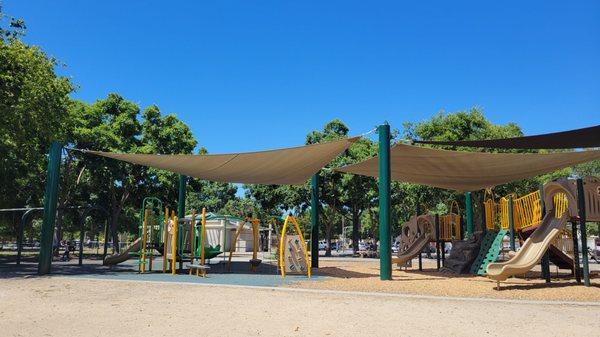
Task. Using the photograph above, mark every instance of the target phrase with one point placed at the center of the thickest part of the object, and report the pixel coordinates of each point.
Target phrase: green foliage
(34, 108)
(14, 29)
(212, 195)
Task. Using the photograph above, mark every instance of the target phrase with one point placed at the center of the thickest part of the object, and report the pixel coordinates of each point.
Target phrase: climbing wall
(491, 246)
(295, 261)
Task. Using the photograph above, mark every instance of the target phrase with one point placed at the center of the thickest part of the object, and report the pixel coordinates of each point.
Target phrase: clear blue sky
(250, 75)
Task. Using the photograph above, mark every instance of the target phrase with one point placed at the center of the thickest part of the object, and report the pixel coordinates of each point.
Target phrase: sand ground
(62, 306)
(363, 275)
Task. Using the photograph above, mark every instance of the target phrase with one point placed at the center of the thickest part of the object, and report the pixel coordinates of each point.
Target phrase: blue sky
(251, 75)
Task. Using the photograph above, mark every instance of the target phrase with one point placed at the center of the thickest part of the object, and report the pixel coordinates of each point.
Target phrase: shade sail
(291, 166)
(467, 171)
(580, 138)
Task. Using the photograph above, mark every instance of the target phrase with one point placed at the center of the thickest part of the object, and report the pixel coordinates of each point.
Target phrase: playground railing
(503, 212)
(527, 211)
(449, 226)
(561, 203)
(491, 212)
(564, 242)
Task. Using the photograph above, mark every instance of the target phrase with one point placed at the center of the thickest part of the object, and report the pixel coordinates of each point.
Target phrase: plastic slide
(124, 255)
(532, 250)
(413, 250)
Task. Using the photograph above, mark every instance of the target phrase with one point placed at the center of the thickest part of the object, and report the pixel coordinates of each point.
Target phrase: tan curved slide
(413, 251)
(532, 250)
(123, 256)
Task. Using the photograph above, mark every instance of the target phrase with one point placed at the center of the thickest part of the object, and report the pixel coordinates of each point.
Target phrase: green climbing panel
(491, 246)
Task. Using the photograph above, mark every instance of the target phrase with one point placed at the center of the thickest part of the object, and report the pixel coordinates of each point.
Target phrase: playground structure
(420, 230)
(255, 223)
(564, 200)
(541, 227)
(175, 239)
(293, 252)
(185, 239)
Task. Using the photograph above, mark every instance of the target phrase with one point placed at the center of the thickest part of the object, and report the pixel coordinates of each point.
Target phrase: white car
(322, 245)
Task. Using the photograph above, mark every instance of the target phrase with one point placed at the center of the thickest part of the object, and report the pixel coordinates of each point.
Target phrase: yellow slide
(532, 250)
(124, 255)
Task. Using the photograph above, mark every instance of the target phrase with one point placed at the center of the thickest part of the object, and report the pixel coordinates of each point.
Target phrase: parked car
(322, 245)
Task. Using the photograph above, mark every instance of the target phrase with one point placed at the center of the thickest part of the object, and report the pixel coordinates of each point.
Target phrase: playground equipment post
(314, 221)
(511, 223)
(582, 229)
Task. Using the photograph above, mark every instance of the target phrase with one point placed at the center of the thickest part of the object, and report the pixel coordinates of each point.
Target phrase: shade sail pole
(314, 221)
(50, 204)
(469, 211)
(385, 251)
(181, 200)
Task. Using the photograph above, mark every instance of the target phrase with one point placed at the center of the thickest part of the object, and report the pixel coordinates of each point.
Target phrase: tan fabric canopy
(292, 166)
(467, 171)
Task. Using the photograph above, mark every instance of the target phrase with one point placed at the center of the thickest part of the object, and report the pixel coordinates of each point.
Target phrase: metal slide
(413, 250)
(532, 250)
(124, 255)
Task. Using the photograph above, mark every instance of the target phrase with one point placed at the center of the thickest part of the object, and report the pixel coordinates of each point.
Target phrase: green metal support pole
(437, 240)
(181, 200)
(385, 249)
(511, 224)
(582, 229)
(576, 268)
(314, 221)
(50, 204)
(469, 210)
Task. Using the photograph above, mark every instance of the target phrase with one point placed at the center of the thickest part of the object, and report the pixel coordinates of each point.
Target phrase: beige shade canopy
(467, 171)
(291, 166)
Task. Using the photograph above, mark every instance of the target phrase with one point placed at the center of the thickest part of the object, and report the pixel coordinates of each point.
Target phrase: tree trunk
(328, 228)
(355, 229)
(114, 223)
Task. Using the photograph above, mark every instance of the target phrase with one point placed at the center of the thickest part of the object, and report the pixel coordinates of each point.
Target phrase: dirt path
(75, 307)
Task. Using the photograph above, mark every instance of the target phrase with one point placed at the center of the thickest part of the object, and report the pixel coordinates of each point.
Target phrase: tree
(341, 193)
(114, 124)
(34, 110)
(34, 103)
(212, 195)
